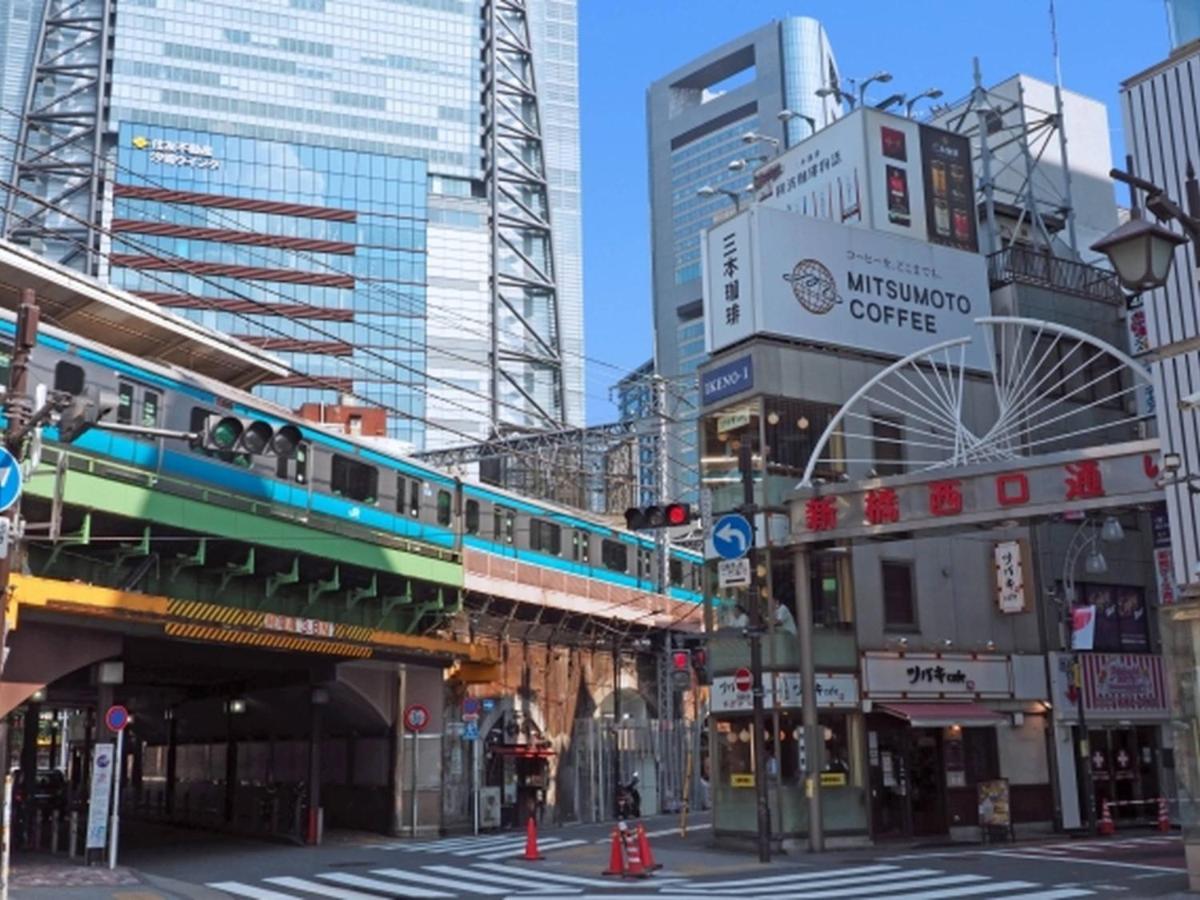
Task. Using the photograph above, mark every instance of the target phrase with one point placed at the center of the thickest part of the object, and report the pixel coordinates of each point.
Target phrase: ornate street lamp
(1141, 252)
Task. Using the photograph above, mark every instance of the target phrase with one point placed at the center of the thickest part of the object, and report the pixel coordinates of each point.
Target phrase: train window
(472, 517)
(614, 555)
(414, 498)
(124, 403)
(68, 377)
(150, 409)
(545, 536)
(401, 493)
(645, 564)
(353, 479)
(502, 524)
(443, 507)
(581, 549)
(676, 572)
(5, 365)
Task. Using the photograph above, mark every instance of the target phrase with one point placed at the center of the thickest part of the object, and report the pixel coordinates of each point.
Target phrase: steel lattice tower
(526, 348)
(59, 157)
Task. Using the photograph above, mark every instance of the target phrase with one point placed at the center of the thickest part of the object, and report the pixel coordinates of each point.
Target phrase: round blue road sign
(116, 718)
(10, 479)
(732, 536)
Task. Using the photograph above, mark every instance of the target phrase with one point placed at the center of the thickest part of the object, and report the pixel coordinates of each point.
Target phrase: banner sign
(1075, 480)
(782, 690)
(994, 806)
(935, 676)
(1122, 682)
(820, 281)
(726, 380)
(103, 763)
(1011, 593)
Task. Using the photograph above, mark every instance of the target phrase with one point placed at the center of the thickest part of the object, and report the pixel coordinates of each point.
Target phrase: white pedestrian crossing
(883, 881)
(493, 846)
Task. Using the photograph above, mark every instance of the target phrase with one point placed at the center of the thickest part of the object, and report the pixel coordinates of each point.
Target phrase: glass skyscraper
(370, 109)
(697, 118)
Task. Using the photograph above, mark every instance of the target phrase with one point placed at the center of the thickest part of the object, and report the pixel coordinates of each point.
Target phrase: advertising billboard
(876, 170)
(817, 281)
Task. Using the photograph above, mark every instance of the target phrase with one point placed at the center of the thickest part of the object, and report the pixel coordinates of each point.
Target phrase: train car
(511, 546)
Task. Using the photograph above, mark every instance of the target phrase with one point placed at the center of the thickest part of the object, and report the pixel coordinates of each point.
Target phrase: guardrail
(1025, 265)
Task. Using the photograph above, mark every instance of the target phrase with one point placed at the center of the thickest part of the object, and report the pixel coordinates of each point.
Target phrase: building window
(889, 452)
(443, 508)
(69, 378)
(614, 555)
(899, 608)
(545, 537)
(352, 479)
(472, 517)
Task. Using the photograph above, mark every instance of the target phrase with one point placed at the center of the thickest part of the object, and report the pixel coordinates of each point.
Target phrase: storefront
(938, 726)
(842, 775)
(1125, 706)
(516, 765)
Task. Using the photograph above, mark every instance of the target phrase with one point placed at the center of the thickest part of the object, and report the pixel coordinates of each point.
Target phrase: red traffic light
(680, 660)
(650, 517)
(678, 514)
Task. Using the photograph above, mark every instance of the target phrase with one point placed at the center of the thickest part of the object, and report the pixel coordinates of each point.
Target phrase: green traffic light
(226, 433)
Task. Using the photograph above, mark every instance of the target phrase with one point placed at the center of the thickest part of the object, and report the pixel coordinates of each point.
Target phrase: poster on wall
(99, 798)
(1131, 612)
(950, 217)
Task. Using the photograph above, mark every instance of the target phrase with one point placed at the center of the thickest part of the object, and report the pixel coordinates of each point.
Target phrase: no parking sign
(416, 718)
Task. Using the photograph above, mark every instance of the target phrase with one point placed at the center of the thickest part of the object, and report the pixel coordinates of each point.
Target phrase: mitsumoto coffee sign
(819, 281)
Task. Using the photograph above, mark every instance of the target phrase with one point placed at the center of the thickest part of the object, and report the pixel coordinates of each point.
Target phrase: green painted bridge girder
(142, 502)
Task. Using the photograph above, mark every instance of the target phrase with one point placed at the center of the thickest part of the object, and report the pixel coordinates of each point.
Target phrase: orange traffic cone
(1164, 817)
(531, 850)
(644, 850)
(1106, 820)
(616, 856)
(634, 865)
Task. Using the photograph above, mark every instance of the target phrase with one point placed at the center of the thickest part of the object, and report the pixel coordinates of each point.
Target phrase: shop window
(443, 508)
(614, 555)
(68, 377)
(886, 435)
(355, 480)
(472, 517)
(899, 608)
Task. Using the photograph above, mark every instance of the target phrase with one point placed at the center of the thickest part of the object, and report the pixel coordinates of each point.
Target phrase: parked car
(49, 793)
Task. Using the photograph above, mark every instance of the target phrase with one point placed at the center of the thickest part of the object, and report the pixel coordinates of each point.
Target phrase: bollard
(73, 834)
(54, 823)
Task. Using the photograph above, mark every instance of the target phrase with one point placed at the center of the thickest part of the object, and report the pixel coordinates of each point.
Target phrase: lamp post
(1087, 537)
(751, 137)
(882, 77)
(927, 94)
(709, 191)
(890, 101)
(786, 115)
(835, 91)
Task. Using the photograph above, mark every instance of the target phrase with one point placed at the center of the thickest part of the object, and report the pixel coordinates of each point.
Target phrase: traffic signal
(669, 515)
(680, 660)
(83, 411)
(234, 434)
(700, 664)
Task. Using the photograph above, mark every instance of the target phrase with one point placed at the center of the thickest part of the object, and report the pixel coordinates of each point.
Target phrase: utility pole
(755, 631)
(814, 744)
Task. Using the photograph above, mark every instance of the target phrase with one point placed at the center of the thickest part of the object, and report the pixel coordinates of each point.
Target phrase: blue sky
(624, 45)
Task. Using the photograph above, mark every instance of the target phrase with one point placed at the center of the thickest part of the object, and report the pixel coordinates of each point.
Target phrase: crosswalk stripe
(456, 884)
(774, 879)
(324, 890)
(869, 885)
(514, 851)
(245, 890)
(1058, 894)
(1089, 861)
(559, 877)
(952, 893)
(503, 846)
(524, 884)
(389, 888)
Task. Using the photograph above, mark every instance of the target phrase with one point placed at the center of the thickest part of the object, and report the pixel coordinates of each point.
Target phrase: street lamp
(709, 191)
(751, 136)
(838, 93)
(786, 115)
(1140, 251)
(1086, 539)
(927, 94)
(738, 165)
(882, 76)
(890, 101)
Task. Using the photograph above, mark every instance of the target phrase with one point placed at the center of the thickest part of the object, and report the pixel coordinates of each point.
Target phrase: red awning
(523, 751)
(943, 715)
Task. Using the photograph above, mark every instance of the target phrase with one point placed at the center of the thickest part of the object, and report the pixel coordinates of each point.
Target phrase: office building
(697, 118)
(352, 142)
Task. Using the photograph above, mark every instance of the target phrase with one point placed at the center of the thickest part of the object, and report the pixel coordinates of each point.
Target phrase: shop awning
(943, 715)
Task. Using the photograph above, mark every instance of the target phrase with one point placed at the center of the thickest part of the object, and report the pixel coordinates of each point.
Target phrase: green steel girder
(325, 586)
(190, 560)
(81, 538)
(279, 579)
(355, 595)
(140, 502)
(238, 570)
(139, 550)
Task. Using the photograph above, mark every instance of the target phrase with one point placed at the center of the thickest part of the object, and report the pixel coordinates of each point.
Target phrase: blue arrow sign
(10, 479)
(732, 536)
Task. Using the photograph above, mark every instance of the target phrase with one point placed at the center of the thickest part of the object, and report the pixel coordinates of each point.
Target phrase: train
(333, 478)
